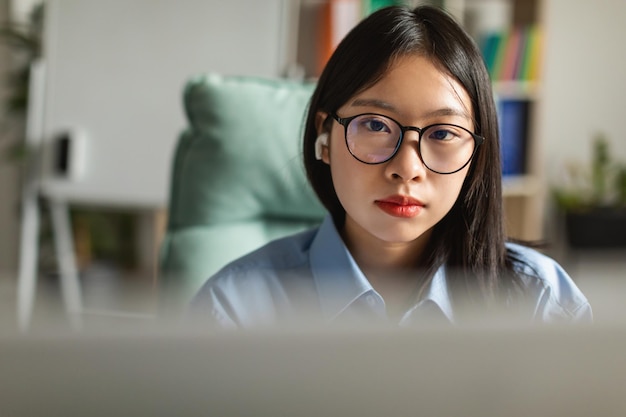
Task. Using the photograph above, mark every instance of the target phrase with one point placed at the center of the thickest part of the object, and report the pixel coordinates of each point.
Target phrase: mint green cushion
(240, 158)
(237, 176)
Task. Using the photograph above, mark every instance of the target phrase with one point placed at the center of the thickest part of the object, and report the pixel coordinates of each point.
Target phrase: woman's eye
(376, 125)
(442, 134)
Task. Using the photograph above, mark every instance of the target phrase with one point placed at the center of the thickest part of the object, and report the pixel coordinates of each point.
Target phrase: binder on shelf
(523, 50)
(513, 122)
(338, 18)
(513, 54)
(370, 6)
(533, 55)
(527, 49)
(490, 46)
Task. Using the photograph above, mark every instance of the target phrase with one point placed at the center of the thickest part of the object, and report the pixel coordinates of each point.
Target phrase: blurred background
(110, 68)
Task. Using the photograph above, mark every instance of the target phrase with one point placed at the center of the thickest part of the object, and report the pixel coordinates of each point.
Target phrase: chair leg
(64, 247)
(29, 249)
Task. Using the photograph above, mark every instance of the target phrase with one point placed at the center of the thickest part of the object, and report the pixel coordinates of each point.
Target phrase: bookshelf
(510, 34)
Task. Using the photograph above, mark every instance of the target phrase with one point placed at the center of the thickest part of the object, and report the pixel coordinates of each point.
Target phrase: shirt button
(371, 300)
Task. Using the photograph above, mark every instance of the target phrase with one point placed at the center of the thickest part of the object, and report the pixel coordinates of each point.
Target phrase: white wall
(115, 72)
(583, 89)
(584, 81)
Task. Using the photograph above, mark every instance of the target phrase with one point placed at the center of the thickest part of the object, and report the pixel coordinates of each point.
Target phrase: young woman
(401, 146)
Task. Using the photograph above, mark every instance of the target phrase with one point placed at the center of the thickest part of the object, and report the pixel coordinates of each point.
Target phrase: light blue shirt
(313, 274)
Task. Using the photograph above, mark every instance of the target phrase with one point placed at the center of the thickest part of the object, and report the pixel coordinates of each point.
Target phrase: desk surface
(484, 371)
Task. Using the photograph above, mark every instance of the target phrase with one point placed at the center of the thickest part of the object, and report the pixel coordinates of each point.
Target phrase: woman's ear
(321, 147)
(321, 143)
(320, 119)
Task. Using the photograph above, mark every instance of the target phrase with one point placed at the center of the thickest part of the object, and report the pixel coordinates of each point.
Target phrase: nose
(406, 165)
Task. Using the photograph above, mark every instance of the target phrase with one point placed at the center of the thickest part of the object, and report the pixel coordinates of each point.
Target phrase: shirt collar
(338, 278)
(436, 296)
(340, 281)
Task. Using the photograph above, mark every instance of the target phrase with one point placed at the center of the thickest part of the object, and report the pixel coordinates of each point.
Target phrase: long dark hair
(470, 239)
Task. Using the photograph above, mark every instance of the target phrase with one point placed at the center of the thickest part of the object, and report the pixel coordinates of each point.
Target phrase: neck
(372, 253)
(390, 267)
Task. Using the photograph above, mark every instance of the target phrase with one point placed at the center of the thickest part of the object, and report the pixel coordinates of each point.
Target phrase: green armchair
(237, 180)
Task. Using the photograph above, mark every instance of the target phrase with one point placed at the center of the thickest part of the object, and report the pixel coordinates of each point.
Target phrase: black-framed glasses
(443, 148)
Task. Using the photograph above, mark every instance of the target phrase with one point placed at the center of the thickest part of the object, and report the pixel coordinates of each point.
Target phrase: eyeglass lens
(374, 139)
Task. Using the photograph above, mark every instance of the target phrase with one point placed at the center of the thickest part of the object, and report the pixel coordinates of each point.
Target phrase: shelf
(516, 90)
(519, 186)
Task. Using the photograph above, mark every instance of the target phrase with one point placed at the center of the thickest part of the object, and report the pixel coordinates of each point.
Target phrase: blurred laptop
(495, 369)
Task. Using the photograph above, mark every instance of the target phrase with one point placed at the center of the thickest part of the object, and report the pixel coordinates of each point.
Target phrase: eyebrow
(383, 105)
(367, 102)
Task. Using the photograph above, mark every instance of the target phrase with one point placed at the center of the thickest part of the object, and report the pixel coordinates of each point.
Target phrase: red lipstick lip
(400, 206)
(401, 200)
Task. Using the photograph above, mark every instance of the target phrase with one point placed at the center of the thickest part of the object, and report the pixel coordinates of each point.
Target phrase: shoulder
(256, 287)
(284, 253)
(553, 292)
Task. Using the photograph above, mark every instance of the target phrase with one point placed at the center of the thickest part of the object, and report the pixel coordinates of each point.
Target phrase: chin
(402, 234)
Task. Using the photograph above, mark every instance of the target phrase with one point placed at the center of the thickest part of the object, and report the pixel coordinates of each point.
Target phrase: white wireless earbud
(321, 141)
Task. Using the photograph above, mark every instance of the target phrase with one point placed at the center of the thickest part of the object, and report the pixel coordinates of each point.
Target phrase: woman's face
(398, 201)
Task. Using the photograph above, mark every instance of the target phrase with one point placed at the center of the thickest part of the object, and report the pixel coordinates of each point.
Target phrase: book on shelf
(513, 122)
(338, 17)
(513, 54)
(370, 6)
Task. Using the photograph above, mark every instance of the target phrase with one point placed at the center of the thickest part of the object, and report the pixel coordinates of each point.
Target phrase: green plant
(602, 185)
(24, 40)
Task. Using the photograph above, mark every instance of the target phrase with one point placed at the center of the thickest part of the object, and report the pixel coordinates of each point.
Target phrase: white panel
(116, 70)
(584, 82)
